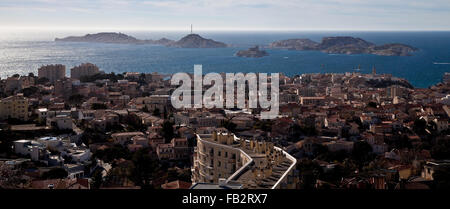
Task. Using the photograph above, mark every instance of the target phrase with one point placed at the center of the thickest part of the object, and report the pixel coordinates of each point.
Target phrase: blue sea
(25, 51)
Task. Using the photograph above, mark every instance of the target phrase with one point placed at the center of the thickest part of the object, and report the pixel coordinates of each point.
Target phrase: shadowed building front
(222, 160)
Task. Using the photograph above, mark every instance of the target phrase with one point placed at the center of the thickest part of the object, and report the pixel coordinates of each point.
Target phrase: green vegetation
(167, 131)
(111, 76)
(99, 106)
(55, 173)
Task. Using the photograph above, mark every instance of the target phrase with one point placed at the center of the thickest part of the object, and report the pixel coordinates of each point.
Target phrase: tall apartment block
(221, 160)
(52, 72)
(85, 69)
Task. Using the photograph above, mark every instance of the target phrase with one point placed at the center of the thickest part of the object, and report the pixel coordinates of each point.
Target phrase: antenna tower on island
(191, 28)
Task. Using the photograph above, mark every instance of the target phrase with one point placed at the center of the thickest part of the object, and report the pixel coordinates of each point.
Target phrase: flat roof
(49, 138)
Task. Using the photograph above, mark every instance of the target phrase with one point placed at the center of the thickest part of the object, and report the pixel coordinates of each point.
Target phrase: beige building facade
(222, 158)
(14, 107)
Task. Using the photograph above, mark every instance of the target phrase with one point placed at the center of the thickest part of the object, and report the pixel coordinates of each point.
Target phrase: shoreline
(109, 58)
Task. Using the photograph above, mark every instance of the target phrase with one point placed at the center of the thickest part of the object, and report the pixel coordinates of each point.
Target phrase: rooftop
(250, 176)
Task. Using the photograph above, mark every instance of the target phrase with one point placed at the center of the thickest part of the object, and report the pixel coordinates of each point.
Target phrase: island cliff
(189, 41)
(295, 44)
(118, 38)
(196, 41)
(252, 52)
(345, 45)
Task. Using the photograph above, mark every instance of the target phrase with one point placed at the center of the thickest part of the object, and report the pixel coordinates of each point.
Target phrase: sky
(226, 14)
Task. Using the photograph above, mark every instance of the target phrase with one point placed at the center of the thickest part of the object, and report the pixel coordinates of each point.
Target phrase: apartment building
(15, 107)
(177, 149)
(85, 69)
(221, 160)
(52, 72)
(122, 138)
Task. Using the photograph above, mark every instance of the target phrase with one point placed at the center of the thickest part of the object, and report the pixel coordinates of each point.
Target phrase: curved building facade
(221, 160)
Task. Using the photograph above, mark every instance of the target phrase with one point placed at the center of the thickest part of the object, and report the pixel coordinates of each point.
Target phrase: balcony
(206, 176)
(206, 165)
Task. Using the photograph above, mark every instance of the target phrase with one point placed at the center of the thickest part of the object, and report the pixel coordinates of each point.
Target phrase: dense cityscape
(97, 130)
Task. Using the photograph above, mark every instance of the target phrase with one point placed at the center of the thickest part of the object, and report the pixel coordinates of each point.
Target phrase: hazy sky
(227, 14)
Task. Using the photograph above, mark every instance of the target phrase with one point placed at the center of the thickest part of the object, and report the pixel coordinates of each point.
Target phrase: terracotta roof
(176, 185)
(60, 184)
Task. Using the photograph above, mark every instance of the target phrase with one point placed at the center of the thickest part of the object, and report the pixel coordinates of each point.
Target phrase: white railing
(291, 167)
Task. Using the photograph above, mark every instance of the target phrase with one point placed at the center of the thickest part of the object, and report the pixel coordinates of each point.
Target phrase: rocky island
(196, 41)
(345, 45)
(117, 38)
(252, 52)
(295, 44)
(189, 41)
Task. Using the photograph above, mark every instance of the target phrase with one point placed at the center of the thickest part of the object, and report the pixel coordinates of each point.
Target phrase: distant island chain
(330, 45)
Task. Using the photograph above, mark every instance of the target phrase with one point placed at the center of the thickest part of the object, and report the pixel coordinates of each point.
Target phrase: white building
(42, 114)
(122, 138)
(52, 143)
(338, 145)
(63, 122)
(224, 160)
(29, 147)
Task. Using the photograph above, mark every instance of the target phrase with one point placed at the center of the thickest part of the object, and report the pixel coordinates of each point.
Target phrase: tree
(441, 177)
(144, 168)
(362, 152)
(309, 171)
(185, 175)
(91, 136)
(145, 109)
(372, 105)
(263, 125)
(97, 179)
(27, 92)
(42, 80)
(335, 174)
(441, 150)
(296, 131)
(361, 148)
(55, 173)
(230, 126)
(11, 178)
(156, 112)
(76, 99)
(419, 126)
(403, 142)
(165, 113)
(99, 106)
(110, 154)
(167, 131)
